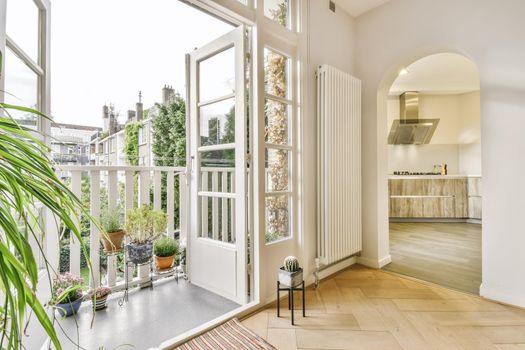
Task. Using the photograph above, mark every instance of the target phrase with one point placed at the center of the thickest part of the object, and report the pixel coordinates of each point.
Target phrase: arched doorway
(432, 110)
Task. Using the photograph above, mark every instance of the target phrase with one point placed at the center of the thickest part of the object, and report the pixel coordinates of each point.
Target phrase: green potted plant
(32, 181)
(165, 249)
(66, 293)
(100, 297)
(113, 234)
(290, 274)
(143, 226)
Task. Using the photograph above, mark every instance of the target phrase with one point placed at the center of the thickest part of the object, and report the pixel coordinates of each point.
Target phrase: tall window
(278, 158)
(24, 59)
(279, 11)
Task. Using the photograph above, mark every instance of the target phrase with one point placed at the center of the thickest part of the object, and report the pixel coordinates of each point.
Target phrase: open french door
(217, 241)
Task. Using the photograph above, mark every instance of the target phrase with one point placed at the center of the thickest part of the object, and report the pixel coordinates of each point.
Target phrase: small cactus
(291, 264)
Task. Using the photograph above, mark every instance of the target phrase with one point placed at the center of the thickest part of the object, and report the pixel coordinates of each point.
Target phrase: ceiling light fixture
(403, 71)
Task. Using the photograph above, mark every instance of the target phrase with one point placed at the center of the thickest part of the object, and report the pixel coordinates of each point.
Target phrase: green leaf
(27, 177)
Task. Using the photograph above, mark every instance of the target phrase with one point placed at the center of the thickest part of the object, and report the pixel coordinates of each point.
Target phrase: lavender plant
(67, 288)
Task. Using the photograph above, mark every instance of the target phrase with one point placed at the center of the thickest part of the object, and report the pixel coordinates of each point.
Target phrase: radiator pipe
(316, 272)
(318, 267)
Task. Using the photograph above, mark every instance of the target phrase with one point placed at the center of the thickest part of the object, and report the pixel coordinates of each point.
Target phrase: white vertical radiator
(339, 165)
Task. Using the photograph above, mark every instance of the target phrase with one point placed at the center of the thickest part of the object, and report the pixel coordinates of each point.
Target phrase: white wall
(470, 115)
(456, 140)
(330, 41)
(488, 32)
(422, 158)
(470, 159)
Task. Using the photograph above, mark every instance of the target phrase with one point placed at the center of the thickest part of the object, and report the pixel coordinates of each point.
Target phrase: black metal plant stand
(291, 290)
(175, 271)
(127, 263)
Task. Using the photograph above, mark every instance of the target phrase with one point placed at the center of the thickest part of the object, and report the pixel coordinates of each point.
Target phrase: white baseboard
(374, 263)
(502, 295)
(332, 269)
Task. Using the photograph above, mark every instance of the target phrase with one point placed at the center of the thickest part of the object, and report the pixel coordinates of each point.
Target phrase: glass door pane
(216, 92)
(21, 88)
(22, 25)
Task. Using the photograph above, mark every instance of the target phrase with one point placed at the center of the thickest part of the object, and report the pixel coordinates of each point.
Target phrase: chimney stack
(112, 120)
(105, 117)
(139, 108)
(167, 94)
(131, 115)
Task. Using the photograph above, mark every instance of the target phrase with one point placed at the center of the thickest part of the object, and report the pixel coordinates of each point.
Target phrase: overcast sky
(105, 51)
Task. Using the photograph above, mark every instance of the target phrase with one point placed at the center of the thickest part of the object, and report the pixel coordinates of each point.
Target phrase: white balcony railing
(127, 187)
(131, 186)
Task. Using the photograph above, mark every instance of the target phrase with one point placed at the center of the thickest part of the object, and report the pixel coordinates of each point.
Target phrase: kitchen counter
(435, 196)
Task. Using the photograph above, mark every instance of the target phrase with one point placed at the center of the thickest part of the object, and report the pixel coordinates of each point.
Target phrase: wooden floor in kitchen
(448, 254)
(361, 308)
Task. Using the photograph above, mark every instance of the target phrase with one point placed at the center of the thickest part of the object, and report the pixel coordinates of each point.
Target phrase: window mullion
(17, 50)
(278, 99)
(277, 146)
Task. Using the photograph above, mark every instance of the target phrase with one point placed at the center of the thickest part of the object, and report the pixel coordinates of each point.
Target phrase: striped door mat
(231, 335)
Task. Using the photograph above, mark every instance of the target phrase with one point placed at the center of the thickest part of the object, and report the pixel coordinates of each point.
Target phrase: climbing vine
(169, 144)
(131, 142)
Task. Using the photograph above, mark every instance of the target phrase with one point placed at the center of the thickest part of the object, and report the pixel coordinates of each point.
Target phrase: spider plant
(27, 177)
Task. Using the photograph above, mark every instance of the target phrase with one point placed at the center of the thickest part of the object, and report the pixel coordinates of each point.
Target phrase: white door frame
(210, 261)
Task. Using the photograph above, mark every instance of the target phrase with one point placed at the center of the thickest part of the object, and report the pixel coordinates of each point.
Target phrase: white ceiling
(444, 73)
(358, 7)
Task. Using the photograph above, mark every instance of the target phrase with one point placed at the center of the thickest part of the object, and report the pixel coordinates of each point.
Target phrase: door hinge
(248, 56)
(248, 157)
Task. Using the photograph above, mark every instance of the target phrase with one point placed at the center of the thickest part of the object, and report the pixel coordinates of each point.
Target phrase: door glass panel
(217, 75)
(277, 169)
(277, 10)
(277, 218)
(22, 25)
(217, 169)
(217, 123)
(276, 122)
(217, 219)
(276, 73)
(21, 87)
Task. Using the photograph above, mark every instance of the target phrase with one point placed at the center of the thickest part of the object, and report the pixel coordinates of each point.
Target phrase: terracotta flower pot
(114, 243)
(164, 262)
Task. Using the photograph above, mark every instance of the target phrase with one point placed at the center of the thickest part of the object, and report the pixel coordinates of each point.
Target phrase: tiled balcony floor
(148, 318)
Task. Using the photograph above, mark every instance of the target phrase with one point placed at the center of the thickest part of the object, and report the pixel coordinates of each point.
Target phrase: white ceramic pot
(290, 279)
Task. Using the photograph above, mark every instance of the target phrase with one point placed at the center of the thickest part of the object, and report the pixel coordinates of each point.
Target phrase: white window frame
(39, 67)
(277, 46)
(143, 136)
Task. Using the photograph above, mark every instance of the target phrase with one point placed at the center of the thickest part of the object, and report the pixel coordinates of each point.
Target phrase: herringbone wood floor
(361, 308)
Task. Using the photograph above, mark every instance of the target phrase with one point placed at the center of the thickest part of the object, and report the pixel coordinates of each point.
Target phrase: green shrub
(166, 246)
(110, 220)
(144, 225)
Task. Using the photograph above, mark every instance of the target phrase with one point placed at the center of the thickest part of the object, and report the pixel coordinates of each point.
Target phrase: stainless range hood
(409, 129)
